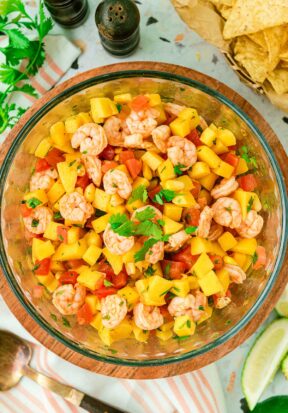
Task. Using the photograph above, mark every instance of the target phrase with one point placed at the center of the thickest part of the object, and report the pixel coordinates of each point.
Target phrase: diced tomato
(120, 280)
(197, 188)
(68, 277)
(230, 158)
(62, 234)
(108, 153)
(124, 112)
(217, 261)
(164, 311)
(261, 258)
(37, 291)
(25, 211)
(139, 103)
(134, 167)
(102, 292)
(103, 266)
(42, 267)
(169, 119)
(42, 165)
(173, 269)
(74, 263)
(247, 182)
(154, 191)
(232, 147)
(194, 137)
(186, 257)
(191, 216)
(54, 156)
(125, 155)
(107, 165)
(84, 315)
(83, 181)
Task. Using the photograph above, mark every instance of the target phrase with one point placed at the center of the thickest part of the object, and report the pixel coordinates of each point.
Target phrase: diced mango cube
(102, 108)
(158, 287)
(93, 239)
(208, 181)
(173, 185)
(93, 302)
(207, 314)
(226, 136)
(172, 211)
(120, 209)
(193, 282)
(166, 170)
(246, 246)
(91, 279)
(229, 260)
(170, 226)
(224, 279)
(123, 98)
(202, 266)
(164, 335)
(101, 200)
(216, 249)
(73, 235)
(187, 181)
(97, 321)
(184, 326)
(199, 170)
(219, 147)
(55, 192)
(58, 135)
(38, 195)
(208, 136)
(114, 260)
(242, 167)
(84, 117)
(132, 206)
(152, 159)
(181, 127)
(92, 254)
(210, 284)
(161, 118)
(51, 231)
(140, 181)
(41, 249)
(147, 172)
(199, 245)
(105, 335)
(245, 199)
(129, 255)
(167, 326)
(139, 334)
(224, 169)
(72, 124)
(181, 287)
(89, 192)
(142, 287)
(68, 175)
(241, 259)
(70, 251)
(56, 265)
(206, 154)
(116, 200)
(227, 241)
(154, 99)
(43, 148)
(185, 200)
(130, 294)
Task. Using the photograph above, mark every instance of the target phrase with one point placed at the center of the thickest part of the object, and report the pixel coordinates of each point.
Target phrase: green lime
(264, 360)
(276, 404)
(284, 367)
(282, 305)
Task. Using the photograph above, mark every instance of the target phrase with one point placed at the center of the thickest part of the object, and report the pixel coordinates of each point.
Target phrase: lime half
(282, 305)
(264, 360)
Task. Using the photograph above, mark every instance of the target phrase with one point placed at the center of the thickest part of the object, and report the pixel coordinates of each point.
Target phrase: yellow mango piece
(227, 241)
(56, 265)
(187, 181)
(164, 335)
(202, 266)
(208, 181)
(93, 302)
(241, 259)
(123, 98)
(89, 192)
(68, 175)
(157, 269)
(122, 331)
(84, 117)
(105, 335)
(120, 209)
(242, 167)
(207, 314)
(102, 108)
(92, 254)
(51, 287)
(143, 287)
(71, 157)
(248, 263)
(219, 147)
(154, 99)
(158, 287)
(199, 245)
(72, 124)
(130, 294)
(226, 137)
(216, 249)
(58, 135)
(97, 321)
(124, 169)
(51, 231)
(185, 200)
(205, 194)
(139, 334)
(140, 181)
(166, 170)
(170, 226)
(224, 169)
(181, 287)
(43, 148)
(173, 212)
(73, 235)
(55, 192)
(32, 197)
(129, 255)
(229, 260)
(70, 251)
(245, 199)
(181, 127)
(45, 279)
(41, 249)
(90, 279)
(184, 326)
(210, 284)
(199, 170)
(101, 200)
(116, 200)
(93, 239)
(192, 115)
(173, 185)
(132, 206)
(152, 159)
(193, 282)
(224, 279)
(167, 326)
(246, 246)
(206, 155)
(114, 260)
(147, 172)
(208, 136)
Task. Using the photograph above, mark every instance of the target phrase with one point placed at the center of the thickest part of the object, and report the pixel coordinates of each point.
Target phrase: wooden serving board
(179, 367)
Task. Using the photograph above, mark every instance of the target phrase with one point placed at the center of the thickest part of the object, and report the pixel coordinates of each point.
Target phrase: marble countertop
(168, 39)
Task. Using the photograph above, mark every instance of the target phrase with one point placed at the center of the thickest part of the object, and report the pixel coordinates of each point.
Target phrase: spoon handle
(74, 396)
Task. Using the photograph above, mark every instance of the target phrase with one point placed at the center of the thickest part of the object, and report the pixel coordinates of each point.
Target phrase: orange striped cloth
(196, 392)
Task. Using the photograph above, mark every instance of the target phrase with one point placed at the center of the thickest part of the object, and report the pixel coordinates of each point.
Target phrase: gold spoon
(15, 354)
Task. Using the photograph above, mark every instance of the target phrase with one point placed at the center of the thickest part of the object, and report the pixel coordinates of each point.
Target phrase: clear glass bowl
(15, 255)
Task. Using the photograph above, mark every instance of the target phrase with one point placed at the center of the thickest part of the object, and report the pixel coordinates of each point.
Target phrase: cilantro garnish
(250, 203)
(167, 270)
(138, 193)
(164, 292)
(161, 222)
(149, 272)
(65, 322)
(140, 255)
(53, 316)
(188, 322)
(180, 338)
(145, 214)
(119, 107)
(201, 308)
(190, 230)
(178, 169)
(244, 153)
(166, 194)
(99, 213)
(36, 266)
(57, 216)
(33, 202)
(117, 220)
(72, 162)
(34, 223)
(107, 283)
(121, 225)
(60, 237)
(254, 257)
(149, 229)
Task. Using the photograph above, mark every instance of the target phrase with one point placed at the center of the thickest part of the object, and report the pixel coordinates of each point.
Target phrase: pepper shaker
(118, 25)
(68, 13)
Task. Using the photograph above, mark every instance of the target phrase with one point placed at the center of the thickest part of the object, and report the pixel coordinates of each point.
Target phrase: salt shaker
(68, 13)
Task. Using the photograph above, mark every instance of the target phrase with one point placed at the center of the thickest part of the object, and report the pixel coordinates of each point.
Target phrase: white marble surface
(195, 53)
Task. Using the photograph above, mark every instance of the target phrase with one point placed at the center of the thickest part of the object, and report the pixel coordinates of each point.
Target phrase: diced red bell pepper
(191, 216)
(139, 103)
(185, 256)
(84, 315)
(247, 182)
(173, 269)
(42, 267)
(217, 261)
(42, 165)
(62, 234)
(108, 153)
(230, 158)
(54, 156)
(194, 137)
(120, 280)
(103, 266)
(196, 190)
(261, 258)
(125, 155)
(68, 277)
(25, 211)
(232, 147)
(154, 191)
(83, 181)
(169, 119)
(107, 165)
(134, 167)
(103, 292)
(167, 316)
(74, 263)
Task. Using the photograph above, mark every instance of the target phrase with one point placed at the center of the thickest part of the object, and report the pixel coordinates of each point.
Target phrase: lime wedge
(284, 367)
(282, 305)
(264, 360)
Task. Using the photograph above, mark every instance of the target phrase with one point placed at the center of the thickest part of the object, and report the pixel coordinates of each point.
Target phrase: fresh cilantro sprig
(20, 47)
(138, 193)
(190, 229)
(250, 203)
(164, 194)
(140, 254)
(178, 169)
(245, 154)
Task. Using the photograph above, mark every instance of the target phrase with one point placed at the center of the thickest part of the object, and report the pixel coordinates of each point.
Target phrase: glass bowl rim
(94, 80)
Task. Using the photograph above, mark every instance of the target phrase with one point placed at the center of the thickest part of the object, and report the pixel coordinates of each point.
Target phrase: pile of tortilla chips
(253, 32)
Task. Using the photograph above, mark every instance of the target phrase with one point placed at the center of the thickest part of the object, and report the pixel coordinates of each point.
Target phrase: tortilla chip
(224, 10)
(279, 81)
(252, 57)
(228, 3)
(281, 101)
(251, 16)
(284, 55)
(283, 64)
(259, 39)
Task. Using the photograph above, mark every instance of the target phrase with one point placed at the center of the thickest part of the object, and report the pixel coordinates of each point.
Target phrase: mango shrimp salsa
(141, 217)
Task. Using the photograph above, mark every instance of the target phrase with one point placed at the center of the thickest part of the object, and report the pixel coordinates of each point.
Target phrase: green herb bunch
(17, 25)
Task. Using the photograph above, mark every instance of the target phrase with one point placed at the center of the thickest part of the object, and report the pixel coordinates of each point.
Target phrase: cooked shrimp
(113, 310)
(117, 244)
(137, 141)
(160, 136)
(205, 222)
(227, 212)
(116, 130)
(251, 226)
(75, 208)
(237, 275)
(91, 138)
(173, 108)
(177, 240)
(181, 151)
(222, 302)
(147, 317)
(68, 299)
(225, 188)
(38, 220)
(157, 213)
(117, 182)
(142, 122)
(93, 168)
(193, 306)
(215, 232)
(43, 180)
(155, 253)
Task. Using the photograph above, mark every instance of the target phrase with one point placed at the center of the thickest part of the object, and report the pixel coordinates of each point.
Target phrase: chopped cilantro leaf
(147, 213)
(36, 266)
(250, 203)
(34, 223)
(201, 308)
(140, 254)
(178, 169)
(190, 230)
(116, 220)
(72, 162)
(107, 283)
(165, 237)
(244, 153)
(60, 237)
(53, 316)
(181, 338)
(138, 193)
(148, 229)
(119, 107)
(167, 270)
(150, 271)
(188, 322)
(99, 213)
(33, 202)
(229, 209)
(65, 322)
(57, 216)
(166, 194)
(254, 257)
(164, 292)
(161, 222)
